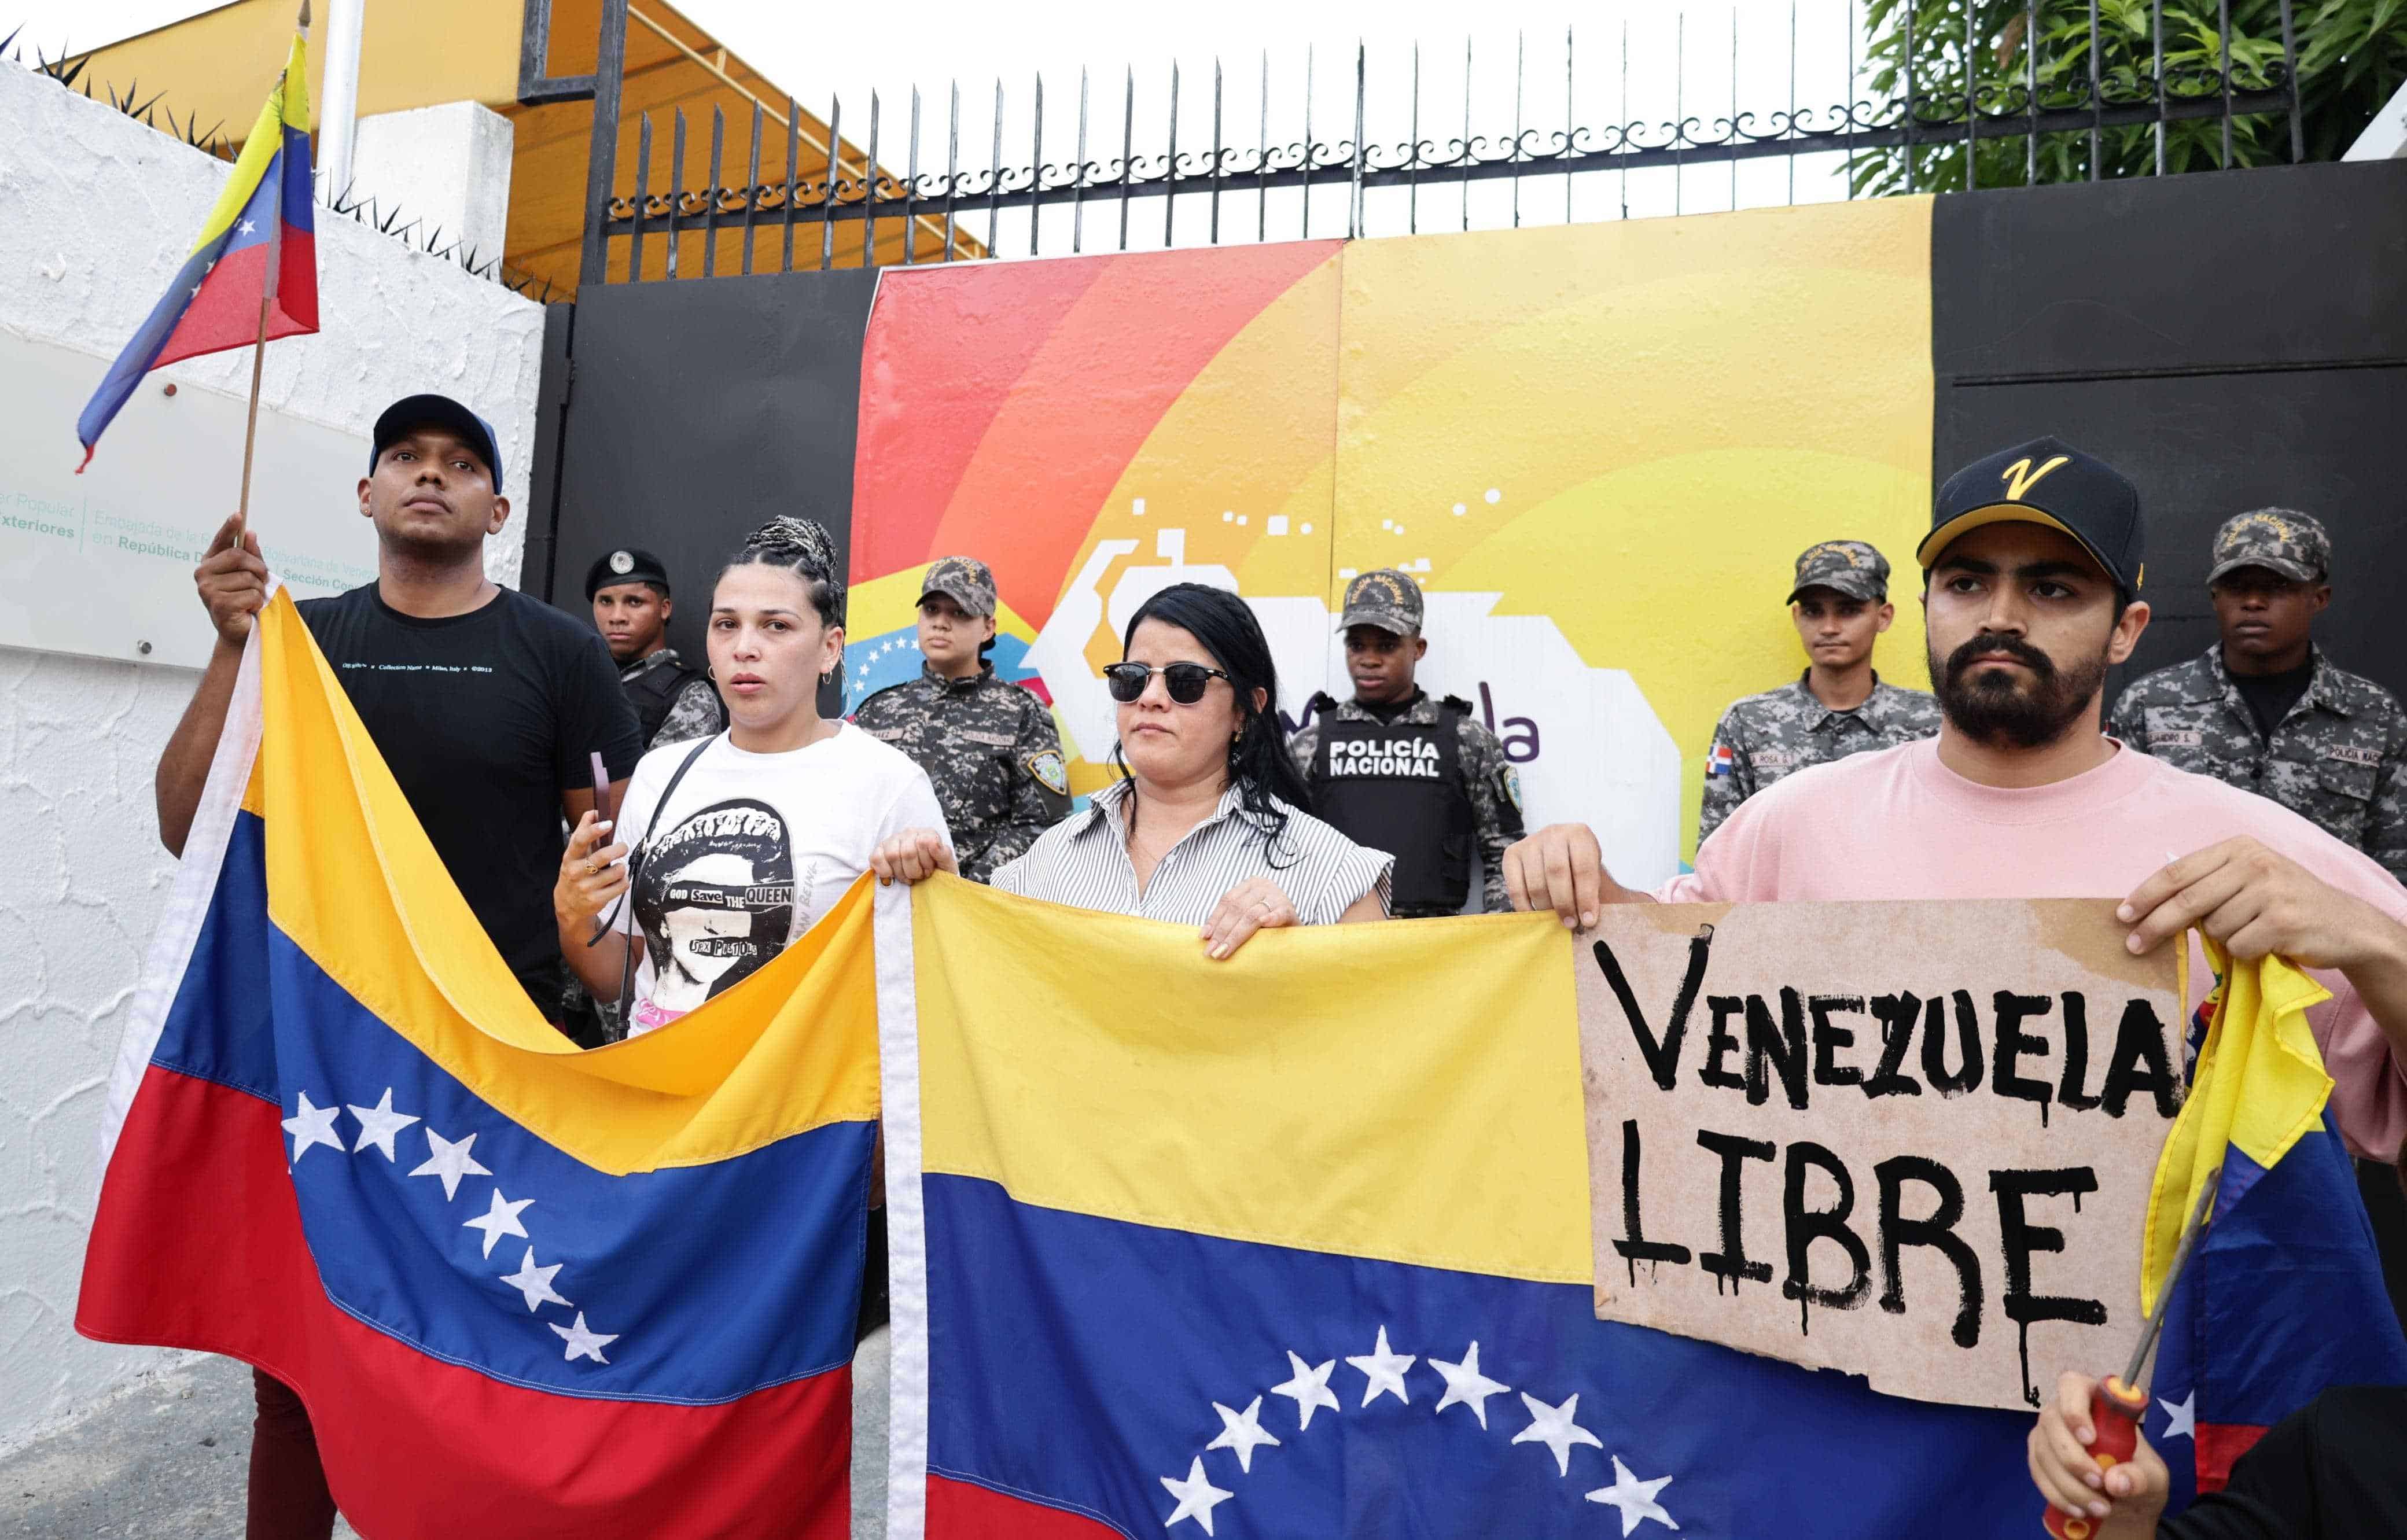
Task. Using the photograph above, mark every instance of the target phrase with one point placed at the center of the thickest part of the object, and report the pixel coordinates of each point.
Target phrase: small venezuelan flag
(260, 243)
(2284, 1295)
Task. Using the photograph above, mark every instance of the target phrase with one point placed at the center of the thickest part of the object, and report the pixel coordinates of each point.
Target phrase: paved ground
(166, 1460)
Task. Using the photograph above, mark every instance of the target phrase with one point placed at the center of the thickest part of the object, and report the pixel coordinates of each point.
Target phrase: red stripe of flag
(414, 1444)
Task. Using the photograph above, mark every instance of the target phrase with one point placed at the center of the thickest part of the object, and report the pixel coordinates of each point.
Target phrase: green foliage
(2352, 57)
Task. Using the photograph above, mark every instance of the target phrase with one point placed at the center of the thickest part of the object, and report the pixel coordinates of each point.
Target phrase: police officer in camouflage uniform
(2264, 709)
(989, 747)
(1838, 707)
(1399, 772)
(629, 590)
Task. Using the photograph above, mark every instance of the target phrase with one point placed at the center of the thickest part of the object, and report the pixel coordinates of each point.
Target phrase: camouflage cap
(2281, 540)
(1385, 598)
(964, 580)
(1852, 567)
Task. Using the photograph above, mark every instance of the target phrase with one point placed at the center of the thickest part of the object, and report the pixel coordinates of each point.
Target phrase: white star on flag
(1465, 1386)
(246, 228)
(1308, 1389)
(379, 1124)
(587, 1344)
(1197, 1496)
(499, 1220)
(451, 1160)
(1243, 1433)
(2182, 1416)
(1633, 1497)
(535, 1282)
(312, 1125)
(1383, 1371)
(1553, 1427)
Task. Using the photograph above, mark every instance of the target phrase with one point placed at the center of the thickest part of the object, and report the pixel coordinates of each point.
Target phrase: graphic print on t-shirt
(716, 898)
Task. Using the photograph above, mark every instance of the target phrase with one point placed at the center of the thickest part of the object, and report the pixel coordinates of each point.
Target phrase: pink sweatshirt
(1899, 824)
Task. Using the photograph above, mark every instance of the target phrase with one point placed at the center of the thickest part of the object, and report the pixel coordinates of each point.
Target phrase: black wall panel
(2228, 341)
(2203, 448)
(696, 411)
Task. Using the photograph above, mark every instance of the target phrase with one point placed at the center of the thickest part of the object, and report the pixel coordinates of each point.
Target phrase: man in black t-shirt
(484, 703)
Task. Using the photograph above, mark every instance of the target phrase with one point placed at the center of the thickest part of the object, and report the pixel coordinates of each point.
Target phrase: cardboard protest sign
(1909, 1141)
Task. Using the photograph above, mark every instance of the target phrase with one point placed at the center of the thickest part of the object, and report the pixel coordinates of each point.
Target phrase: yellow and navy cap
(2046, 481)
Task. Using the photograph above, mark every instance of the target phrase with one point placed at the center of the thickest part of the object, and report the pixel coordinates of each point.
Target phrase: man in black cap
(2033, 569)
(1393, 769)
(629, 590)
(1840, 705)
(2265, 709)
(485, 705)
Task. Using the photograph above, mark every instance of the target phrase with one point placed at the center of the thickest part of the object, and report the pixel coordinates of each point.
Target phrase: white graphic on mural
(1586, 743)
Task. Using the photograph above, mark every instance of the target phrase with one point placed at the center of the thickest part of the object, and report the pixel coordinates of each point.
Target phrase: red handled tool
(2119, 1404)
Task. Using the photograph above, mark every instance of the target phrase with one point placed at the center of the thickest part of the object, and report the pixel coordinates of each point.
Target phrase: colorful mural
(1597, 447)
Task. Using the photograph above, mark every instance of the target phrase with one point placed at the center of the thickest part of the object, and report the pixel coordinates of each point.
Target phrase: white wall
(96, 211)
(448, 167)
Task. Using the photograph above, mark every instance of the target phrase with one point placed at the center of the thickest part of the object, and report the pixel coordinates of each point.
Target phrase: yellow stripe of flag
(288, 105)
(1405, 1093)
(2259, 1088)
(355, 883)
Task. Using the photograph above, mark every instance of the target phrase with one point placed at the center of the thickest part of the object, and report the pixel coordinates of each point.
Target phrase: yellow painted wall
(418, 53)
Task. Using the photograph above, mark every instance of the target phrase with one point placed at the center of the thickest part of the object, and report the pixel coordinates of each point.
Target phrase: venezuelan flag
(1299, 1245)
(259, 243)
(523, 1291)
(2282, 1296)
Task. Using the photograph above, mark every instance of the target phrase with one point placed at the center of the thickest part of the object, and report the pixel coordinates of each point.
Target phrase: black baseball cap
(436, 412)
(625, 566)
(2046, 481)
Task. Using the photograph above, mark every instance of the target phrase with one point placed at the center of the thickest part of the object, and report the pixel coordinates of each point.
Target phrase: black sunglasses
(1187, 682)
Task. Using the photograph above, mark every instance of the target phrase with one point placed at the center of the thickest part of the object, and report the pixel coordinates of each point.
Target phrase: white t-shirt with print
(749, 852)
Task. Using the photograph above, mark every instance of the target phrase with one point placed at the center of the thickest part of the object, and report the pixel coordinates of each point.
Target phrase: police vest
(1400, 789)
(653, 692)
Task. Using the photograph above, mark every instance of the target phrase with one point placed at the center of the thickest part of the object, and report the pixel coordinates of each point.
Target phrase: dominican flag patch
(1720, 762)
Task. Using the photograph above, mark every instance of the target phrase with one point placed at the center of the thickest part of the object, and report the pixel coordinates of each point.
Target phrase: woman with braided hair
(744, 840)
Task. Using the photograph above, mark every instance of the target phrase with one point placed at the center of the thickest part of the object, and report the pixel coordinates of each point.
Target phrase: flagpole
(259, 346)
(250, 428)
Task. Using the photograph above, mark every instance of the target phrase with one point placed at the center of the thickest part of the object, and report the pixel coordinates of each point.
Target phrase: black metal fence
(830, 201)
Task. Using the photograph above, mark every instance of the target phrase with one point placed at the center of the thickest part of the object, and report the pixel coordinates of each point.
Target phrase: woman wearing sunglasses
(1207, 829)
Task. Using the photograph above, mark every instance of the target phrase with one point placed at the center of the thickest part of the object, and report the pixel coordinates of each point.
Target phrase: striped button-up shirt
(1083, 860)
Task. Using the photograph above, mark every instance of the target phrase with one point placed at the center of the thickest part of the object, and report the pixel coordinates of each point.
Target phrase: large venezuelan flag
(1299, 1245)
(524, 1291)
(259, 243)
